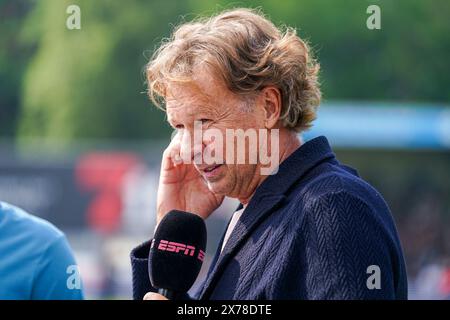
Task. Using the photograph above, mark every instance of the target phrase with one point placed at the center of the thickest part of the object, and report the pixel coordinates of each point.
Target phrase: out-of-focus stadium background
(80, 144)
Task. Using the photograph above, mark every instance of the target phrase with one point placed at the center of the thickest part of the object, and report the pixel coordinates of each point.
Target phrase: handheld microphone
(176, 253)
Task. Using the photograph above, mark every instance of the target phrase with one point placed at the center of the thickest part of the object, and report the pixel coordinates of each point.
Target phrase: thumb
(154, 296)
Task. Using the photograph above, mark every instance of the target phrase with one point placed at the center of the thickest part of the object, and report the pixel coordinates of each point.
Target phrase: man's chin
(217, 187)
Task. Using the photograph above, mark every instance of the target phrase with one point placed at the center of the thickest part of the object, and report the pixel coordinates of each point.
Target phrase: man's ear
(271, 99)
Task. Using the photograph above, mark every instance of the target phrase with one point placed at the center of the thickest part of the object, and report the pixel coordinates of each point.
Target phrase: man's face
(212, 105)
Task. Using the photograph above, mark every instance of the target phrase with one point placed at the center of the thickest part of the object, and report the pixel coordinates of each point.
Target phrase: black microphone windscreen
(177, 251)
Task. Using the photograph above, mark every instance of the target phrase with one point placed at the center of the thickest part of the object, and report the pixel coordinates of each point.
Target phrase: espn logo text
(181, 248)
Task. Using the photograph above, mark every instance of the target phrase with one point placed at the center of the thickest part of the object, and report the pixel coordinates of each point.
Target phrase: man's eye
(179, 126)
(205, 120)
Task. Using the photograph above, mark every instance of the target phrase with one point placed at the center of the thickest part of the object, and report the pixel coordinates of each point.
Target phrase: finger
(176, 158)
(175, 150)
(171, 155)
(154, 296)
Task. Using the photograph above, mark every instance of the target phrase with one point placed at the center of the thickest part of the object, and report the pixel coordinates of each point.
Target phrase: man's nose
(191, 147)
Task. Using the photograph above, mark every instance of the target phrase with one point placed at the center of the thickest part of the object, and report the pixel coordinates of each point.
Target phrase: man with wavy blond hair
(307, 228)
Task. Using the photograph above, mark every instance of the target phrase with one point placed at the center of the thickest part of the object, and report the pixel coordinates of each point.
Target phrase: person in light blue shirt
(36, 261)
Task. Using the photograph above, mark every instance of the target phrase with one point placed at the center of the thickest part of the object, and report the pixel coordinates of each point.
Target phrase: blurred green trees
(89, 83)
(13, 62)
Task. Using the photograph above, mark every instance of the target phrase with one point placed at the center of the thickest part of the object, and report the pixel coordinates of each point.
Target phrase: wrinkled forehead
(204, 93)
(187, 93)
(186, 100)
(202, 86)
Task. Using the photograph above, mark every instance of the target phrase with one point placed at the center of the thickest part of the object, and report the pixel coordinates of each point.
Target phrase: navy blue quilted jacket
(315, 230)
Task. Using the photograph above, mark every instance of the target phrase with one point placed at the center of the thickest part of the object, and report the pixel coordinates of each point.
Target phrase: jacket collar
(266, 198)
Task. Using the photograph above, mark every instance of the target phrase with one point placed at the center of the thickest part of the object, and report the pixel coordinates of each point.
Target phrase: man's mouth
(211, 171)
